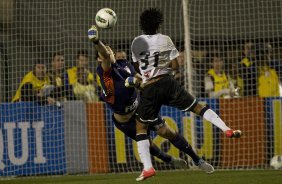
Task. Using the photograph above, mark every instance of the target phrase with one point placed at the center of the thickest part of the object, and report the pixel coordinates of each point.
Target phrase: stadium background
(35, 29)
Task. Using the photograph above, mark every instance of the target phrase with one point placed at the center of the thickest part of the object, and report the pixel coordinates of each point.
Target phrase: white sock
(144, 153)
(212, 117)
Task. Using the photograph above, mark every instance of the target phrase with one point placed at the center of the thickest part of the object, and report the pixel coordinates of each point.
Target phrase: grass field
(177, 177)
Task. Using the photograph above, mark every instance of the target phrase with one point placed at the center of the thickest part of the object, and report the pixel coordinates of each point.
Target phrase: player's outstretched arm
(105, 52)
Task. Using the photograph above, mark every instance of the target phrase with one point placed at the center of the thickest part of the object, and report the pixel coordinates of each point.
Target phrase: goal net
(233, 49)
(229, 59)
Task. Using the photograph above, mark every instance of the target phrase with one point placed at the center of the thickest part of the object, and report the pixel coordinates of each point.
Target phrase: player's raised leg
(209, 115)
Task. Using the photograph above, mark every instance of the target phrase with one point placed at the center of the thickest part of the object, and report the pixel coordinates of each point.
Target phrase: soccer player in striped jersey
(122, 100)
(154, 52)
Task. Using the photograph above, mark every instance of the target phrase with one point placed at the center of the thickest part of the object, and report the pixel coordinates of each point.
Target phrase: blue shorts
(129, 128)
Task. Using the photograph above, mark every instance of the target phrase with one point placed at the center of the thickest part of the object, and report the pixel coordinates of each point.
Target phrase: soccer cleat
(146, 174)
(204, 166)
(233, 133)
(178, 163)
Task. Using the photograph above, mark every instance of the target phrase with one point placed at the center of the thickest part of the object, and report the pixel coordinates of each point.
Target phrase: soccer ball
(276, 162)
(106, 18)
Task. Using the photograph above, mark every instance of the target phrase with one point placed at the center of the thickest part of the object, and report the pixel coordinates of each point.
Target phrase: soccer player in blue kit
(123, 100)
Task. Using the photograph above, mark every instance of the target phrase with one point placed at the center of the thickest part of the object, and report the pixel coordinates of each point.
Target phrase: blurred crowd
(255, 73)
(56, 84)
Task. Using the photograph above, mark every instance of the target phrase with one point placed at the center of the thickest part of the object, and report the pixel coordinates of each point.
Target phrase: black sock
(180, 143)
(155, 151)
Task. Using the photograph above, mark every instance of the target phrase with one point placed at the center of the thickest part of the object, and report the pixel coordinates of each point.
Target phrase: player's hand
(93, 34)
(131, 82)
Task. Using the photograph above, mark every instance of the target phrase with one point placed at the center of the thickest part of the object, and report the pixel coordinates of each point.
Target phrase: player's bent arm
(102, 50)
(106, 54)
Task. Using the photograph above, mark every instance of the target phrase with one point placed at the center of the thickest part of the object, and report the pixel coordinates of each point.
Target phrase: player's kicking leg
(212, 117)
(186, 102)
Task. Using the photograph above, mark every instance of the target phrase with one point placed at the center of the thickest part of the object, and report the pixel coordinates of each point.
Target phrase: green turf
(178, 177)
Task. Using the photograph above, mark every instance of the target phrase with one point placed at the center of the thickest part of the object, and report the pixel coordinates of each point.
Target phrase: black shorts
(166, 91)
(129, 128)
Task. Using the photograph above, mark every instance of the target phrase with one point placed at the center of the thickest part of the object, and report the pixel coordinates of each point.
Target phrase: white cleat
(204, 166)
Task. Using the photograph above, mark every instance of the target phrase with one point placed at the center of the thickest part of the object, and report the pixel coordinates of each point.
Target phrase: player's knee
(141, 131)
(141, 127)
(200, 109)
(166, 132)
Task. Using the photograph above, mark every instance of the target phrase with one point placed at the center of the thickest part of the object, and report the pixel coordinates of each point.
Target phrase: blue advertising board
(31, 140)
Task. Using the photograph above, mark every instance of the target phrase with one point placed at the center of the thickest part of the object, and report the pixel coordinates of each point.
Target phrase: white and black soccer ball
(276, 162)
(106, 18)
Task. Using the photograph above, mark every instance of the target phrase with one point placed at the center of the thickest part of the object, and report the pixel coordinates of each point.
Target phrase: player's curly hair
(150, 20)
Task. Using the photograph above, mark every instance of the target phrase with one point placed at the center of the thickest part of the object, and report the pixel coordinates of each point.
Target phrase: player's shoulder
(142, 40)
(164, 39)
(162, 35)
(138, 43)
(139, 36)
(167, 39)
(139, 39)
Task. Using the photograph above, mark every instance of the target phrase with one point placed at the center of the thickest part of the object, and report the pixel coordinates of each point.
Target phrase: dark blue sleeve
(133, 72)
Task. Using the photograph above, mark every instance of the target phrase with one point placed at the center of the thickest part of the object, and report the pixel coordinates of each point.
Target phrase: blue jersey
(121, 99)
